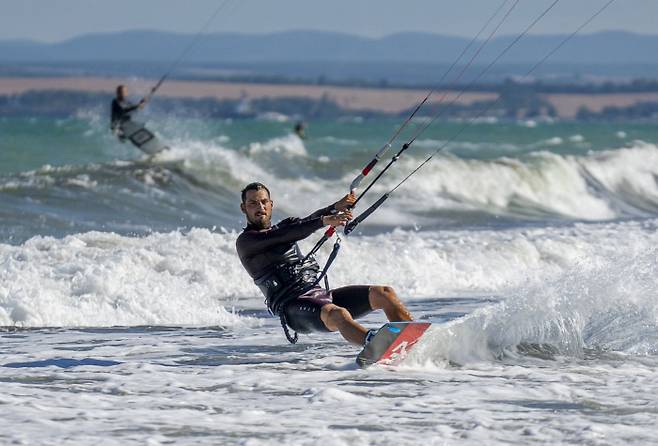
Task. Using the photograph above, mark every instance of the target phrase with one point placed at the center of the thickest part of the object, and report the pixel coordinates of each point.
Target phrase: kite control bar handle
(354, 223)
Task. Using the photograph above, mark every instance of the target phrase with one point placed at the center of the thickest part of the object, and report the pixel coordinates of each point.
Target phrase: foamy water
(195, 278)
(197, 183)
(530, 246)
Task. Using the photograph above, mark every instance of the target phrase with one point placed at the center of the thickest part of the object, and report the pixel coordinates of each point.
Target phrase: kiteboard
(141, 137)
(392, 343)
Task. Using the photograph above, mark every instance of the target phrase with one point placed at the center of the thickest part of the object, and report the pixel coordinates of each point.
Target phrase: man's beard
(261, 222)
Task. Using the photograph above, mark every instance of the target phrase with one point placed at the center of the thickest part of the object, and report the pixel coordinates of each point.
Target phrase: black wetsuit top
(121, 111)
(273, 259)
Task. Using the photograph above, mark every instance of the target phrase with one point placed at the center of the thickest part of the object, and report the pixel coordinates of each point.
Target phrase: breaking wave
(195, 278)
(600, 186)
(600, 306)
(197, 184)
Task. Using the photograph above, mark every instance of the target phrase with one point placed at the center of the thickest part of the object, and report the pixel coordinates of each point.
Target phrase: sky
(57, 20)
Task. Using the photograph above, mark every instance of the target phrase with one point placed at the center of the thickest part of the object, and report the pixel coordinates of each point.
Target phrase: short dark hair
(118, 91)
(254, 186)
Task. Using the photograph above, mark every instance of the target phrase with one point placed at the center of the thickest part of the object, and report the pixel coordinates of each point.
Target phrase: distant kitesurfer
(300, 129)
(289, 282)
(121, 109)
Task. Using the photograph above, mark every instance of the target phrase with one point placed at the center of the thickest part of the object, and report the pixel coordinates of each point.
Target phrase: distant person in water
(121, 109)
(300, 129)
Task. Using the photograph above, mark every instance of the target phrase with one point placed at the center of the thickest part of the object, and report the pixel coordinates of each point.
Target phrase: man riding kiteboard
(122, 110)
(289, 280)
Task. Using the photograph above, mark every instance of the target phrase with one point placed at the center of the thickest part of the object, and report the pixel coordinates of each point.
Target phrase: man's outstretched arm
(288, 231)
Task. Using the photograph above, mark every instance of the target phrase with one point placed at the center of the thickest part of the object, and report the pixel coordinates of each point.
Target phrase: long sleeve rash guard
(121, 111)
(264, 252)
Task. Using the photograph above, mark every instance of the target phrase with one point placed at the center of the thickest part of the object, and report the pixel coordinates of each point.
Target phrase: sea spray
(189, 278)
(604, 304)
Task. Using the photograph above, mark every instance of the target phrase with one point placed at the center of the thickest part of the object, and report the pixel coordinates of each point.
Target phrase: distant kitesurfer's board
(392, 343)
(142, 138)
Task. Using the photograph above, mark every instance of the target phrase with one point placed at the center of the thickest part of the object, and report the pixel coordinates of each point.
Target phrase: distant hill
(607, 48)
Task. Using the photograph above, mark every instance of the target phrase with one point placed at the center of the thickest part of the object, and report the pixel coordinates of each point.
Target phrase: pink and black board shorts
(303, 313)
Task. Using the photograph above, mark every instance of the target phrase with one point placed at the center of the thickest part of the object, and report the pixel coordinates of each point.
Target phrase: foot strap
(284, 324)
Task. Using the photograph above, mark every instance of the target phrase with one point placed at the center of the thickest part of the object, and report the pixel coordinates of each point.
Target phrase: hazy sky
(55, 20)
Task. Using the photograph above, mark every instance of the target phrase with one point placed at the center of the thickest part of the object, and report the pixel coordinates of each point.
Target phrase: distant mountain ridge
(609, 47)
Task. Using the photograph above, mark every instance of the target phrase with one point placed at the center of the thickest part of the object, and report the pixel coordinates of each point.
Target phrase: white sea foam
(339, 141)
(559, 291)
(82, 181)
(199, 386)
(580, 295)
(599, 186)
(554, 141)
(103, 279)
(290, 145)
(474, 147)
(605, 304)
(603, 185)
(273, 116)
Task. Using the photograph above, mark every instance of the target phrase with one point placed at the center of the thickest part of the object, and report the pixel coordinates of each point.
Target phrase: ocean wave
(339, 141)
(273, 117)
(195, 278)
(554, 141)
(289, 146)
(204, 179)
(102, 279)
(607, 306)
(600, 186)
(469, 147)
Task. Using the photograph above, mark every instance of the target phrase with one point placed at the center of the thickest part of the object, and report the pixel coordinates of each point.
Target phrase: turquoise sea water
(127, 317)
(60, 176)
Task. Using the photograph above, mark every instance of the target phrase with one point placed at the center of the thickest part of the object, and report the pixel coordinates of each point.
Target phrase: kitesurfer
(289, 281)
(122, 108)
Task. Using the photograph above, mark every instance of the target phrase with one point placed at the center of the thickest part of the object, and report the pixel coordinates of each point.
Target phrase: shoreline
(349, 98)
(385, 100)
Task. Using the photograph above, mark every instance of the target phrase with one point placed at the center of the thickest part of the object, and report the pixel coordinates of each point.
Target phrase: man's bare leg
(337, 318)
(384, 298)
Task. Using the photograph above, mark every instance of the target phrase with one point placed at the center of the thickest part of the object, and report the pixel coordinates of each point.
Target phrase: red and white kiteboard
(392, 343)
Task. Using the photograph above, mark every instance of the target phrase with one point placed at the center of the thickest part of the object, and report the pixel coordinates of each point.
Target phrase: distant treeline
(515, 101)
(634, 86)
(641, 111)
(56, 103)
(68, 103)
